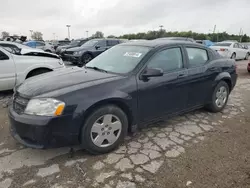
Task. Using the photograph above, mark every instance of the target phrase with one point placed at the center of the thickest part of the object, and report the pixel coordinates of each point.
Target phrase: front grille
(68, 52)
(19, 103)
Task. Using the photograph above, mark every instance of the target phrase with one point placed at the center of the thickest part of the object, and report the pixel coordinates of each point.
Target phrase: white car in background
(46, 46)
(16, 66)
(231, 49)
(16, 46)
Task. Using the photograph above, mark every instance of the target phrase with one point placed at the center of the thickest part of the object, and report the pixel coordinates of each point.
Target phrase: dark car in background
(58, 43)
(72, 44)
(124, 88)
(177, 38)
(89, 50)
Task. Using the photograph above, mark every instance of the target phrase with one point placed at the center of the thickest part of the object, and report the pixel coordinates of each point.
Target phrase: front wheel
(85, 59)
(37, 72)
(219, 97)
(104, 129)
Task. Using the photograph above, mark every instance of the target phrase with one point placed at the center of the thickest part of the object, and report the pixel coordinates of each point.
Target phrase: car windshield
(119, 59)
(222, 44)
(75, 42)
(90, 43)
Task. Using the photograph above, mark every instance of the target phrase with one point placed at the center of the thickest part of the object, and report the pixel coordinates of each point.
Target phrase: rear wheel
(233, 56)
(247, 56)
(219, 97)
(104, 129)
(37, 72)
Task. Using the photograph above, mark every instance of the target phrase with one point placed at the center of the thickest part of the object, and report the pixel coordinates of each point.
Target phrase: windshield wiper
(96, 68)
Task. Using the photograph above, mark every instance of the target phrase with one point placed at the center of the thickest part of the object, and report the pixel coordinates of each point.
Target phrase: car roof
(14, 43)
(8, 42)
(159, 43)
(105, 39)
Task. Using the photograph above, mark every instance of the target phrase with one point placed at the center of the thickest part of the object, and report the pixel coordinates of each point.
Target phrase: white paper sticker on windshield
(132, 54)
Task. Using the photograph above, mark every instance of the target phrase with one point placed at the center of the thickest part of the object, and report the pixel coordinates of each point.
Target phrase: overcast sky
(122, 16)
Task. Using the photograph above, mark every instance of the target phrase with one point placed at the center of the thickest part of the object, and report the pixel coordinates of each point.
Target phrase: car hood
(76, 49)
(38, 53)
(70, 78)
(28, 50)
(66, 46)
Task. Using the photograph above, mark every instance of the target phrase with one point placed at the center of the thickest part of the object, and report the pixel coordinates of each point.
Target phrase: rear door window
(236, 45)
(197, 56)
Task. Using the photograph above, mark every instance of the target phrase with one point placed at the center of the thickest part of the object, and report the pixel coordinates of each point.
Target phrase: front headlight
(77, 53)
(45, 107)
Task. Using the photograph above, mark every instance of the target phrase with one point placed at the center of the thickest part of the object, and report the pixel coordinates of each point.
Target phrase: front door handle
(214, 69)
(181, 75)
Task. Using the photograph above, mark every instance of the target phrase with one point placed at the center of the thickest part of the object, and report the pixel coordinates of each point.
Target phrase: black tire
(85, 134)
(37, 72)
(85, 59)
(247, 56)
(233, 56)
(212, 106)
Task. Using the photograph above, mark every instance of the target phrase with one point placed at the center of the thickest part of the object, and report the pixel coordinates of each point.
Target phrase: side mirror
(97, 46)
(152, 72)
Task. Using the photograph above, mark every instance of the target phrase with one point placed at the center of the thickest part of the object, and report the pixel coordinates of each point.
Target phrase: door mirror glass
(152, 72)
(97, 46)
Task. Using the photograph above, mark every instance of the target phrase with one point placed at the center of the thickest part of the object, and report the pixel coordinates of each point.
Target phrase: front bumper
(44, 132)
(72, 58)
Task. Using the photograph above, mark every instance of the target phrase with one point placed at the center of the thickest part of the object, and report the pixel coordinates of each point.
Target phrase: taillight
(223, 49)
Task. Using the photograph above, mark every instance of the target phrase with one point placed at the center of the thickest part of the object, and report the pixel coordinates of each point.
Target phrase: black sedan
(89, 50)
(121, 90)
(75, 43)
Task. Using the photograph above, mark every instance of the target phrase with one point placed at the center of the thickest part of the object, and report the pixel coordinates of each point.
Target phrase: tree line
(215, 37)
(36, 35)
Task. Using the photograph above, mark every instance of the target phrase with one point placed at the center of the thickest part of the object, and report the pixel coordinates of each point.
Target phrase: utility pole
(240, 34)
(214, 32)
(161, 26)
(31, 33)
(214, 28)
(68, 26)
(54, 36)
(87, 33)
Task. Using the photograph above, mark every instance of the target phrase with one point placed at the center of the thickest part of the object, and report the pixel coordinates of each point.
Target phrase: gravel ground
(198, 149)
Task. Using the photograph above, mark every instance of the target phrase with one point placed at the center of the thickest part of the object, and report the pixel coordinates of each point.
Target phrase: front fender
(95, 100)
(21, 76)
